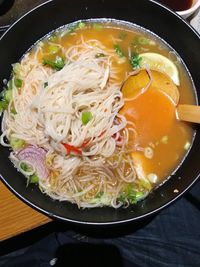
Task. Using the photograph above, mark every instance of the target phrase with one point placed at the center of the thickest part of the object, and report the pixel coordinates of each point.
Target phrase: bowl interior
(148, 14)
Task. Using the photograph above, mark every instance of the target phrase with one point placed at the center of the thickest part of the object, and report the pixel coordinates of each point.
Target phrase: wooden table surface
(15, 216)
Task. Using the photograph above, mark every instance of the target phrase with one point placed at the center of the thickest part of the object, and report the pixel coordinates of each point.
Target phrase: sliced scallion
(86, 117)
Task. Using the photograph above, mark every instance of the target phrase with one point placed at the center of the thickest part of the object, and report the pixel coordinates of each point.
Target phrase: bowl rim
(190, 10)
(118, 222)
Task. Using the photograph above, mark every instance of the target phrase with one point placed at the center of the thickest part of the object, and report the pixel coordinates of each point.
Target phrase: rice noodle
(52, 116)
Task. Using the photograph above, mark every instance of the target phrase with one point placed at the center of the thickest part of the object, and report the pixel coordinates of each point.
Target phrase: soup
(73, 130)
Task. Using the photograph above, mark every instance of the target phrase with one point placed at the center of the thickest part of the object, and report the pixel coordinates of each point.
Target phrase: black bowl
(148, 14)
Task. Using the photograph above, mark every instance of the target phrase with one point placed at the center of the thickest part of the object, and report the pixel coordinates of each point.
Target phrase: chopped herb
(143, 40)
(100, 55)
(122, 35)
(81, 25)
(25, 167)
(131, 195)
(99, 195)
(86, 117)
(56, 64)
(45, 84)
(13, 111)
(135, 61)
(16, 143)
(53, 49)
(18, 82)
(97, 26)
(10, 85)
(16, 68)
(8, 95)
(118, 50)
(3, 105)
(34, 179)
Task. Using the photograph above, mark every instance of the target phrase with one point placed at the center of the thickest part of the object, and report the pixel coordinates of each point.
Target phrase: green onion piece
(135, 61)
(10, 84)
(99, 195)
(122, 35)
(25, 167)
(86, 117)
(17, 68)
(97, 26)
(53, 49)
(118, 50)
(34, 179)
(100, 55)
(139, 195)
(56, 64)
(13, 111)
(143, 40)
(18, 82)
(3, 105)
(81, 25)
(45, 84)
(16, 143)
(8, 95)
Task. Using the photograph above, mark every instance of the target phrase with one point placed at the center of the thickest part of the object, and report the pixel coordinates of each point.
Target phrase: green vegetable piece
(100, 55)
(60, 63)
(34, 179)
(86, 117)
(118, 50)
(99, 195)
(97, 26)
(139, 195)
(56, 64)
(135, 61)
(81, 25)
(53, 49)
(16, 143)
(13, 111)
(143, 40)
(18, 82)
(45, 84)
(122, 35)
(8, 95)
(3, 105)
(16, 68)
(10, 84)
(145, 184)
(25, 167)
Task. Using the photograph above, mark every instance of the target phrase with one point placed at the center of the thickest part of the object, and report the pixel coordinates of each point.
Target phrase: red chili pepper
(71, 148)
(85, 143)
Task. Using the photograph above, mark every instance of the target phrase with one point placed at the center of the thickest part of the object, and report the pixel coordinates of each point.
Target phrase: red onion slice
(36, 156)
